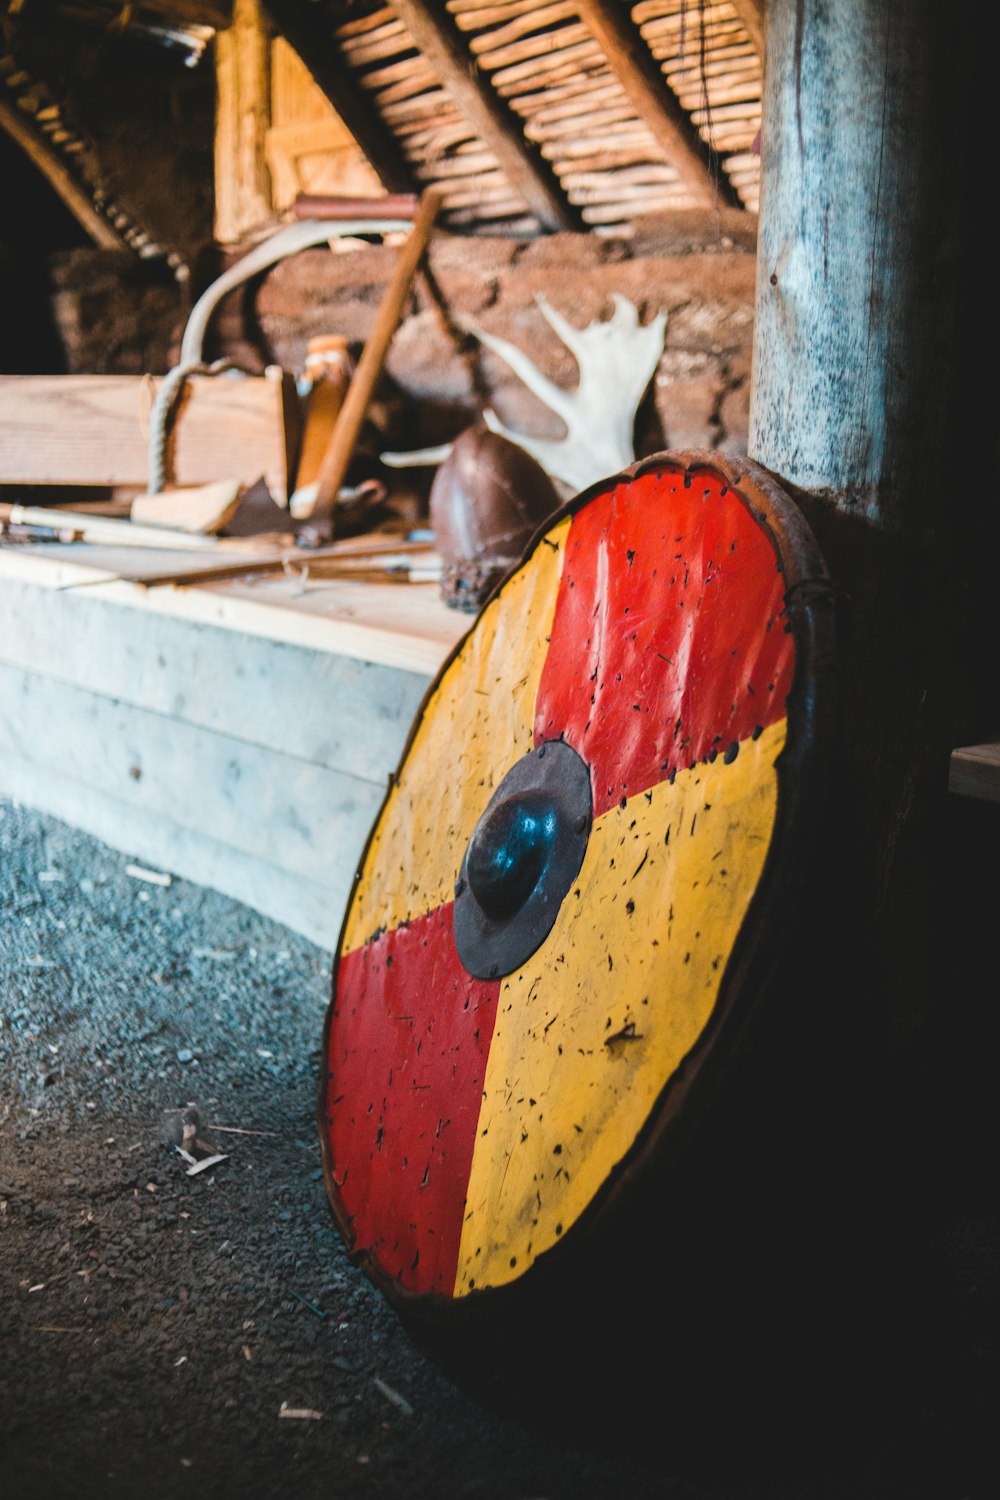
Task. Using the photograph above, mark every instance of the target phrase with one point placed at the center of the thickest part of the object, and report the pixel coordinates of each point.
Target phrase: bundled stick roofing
(575, 114)
(530, 116)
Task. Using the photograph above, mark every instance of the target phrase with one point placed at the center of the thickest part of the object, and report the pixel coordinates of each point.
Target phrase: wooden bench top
(975, 771)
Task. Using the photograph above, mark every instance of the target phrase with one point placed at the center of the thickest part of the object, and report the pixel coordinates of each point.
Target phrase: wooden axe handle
(359, 392)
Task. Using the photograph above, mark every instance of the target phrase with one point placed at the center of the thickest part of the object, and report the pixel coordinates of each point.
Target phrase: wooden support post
(857, 279)
(243, 114)
(637, 71)
(862, 386)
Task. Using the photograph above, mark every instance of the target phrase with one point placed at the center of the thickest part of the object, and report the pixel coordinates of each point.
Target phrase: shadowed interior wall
(117, 316)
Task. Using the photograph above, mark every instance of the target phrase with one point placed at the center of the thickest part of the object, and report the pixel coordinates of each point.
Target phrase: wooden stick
(300, 557)
(362, 386)
(110, 530)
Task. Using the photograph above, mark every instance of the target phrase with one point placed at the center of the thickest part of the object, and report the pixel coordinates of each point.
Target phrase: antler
(616, 358)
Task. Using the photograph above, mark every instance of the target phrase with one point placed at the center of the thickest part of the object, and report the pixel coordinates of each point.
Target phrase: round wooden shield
(595, 831)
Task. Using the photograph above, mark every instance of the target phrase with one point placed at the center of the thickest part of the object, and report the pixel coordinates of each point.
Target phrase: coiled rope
(304, 235)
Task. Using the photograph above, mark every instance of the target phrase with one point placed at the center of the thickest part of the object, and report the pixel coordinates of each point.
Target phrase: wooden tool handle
(359, 392)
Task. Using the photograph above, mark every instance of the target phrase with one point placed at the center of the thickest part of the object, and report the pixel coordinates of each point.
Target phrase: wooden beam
(242, 117)
(410, 629)
(214, 13)
(657, 106)
(315, 45)
(852, 354)
(59, 178)
(753, 20)
(435, 34)
(869, 348)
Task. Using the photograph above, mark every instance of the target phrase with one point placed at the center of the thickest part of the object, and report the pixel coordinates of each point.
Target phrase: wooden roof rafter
(58, 176)
(529, 114)
(36, 119)
(629, 58)
(435, 34)
(752, 14)
(503, 103)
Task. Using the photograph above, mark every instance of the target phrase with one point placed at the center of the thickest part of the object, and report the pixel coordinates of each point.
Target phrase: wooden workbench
(239, 734)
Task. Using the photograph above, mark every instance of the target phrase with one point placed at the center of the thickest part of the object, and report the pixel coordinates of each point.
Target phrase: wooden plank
(302, 905)
(974, 771)
(316, 46)
(94, 430)
(411, 628)
(339, 206)
(434, 32)
(291, 813)
(309, 148)
(333, 711)
(630, 60)
(205, 509)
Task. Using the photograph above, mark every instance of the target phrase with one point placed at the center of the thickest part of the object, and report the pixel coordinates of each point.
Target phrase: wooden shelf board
(975, 771)
(390, 624)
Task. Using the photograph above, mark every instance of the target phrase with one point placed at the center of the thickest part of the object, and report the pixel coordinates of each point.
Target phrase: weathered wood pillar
(243, 114)
(866, 392)
(858, 255)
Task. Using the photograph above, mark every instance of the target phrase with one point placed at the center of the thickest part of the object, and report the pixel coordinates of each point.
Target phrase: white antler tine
(494, 423)
(655, 325)
(416, 457)
(617, 356)
(569, 335)
(625, 311)
(529, 374)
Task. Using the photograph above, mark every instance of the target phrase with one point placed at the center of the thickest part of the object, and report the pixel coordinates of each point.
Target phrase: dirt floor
(166, 1333)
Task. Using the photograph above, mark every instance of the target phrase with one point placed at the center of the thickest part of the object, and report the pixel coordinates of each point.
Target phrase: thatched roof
(569, 114)
(531, 116)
